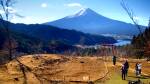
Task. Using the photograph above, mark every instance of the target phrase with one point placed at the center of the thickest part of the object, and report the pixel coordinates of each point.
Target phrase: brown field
(45, 68)
(59, 69)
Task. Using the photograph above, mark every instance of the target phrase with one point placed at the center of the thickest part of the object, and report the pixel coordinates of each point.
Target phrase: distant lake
(122, 42)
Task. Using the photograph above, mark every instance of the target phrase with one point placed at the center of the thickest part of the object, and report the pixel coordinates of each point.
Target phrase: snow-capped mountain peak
(89, 21)
(82, 12)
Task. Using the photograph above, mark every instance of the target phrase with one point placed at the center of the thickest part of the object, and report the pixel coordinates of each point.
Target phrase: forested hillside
(47, 33)
(141, 43)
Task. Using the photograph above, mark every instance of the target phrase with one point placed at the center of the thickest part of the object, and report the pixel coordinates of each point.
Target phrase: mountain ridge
(88, 21)
(47, 33)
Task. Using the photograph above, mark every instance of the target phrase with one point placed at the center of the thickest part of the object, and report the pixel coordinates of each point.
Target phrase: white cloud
(26, 20)
(10, 9)
(1, 12)
(29, 20)
(136, 18)
(74, 5)
(141, 20)
(44, 5)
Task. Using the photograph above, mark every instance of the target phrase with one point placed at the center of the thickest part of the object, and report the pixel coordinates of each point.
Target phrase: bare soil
(51, 68)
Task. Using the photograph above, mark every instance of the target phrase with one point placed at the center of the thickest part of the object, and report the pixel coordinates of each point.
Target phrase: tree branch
(131, 15)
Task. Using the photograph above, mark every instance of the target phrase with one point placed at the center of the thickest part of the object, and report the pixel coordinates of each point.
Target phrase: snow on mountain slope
(88, 21)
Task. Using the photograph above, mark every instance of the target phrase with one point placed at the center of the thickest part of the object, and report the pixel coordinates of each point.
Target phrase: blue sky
(40, 11)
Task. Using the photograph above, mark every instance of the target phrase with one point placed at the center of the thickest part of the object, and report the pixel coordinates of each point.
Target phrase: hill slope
(89, 21)
(47, 33)
(20, 42)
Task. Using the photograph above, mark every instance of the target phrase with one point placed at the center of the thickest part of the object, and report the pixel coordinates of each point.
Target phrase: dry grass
(51, 68)
(46, 68)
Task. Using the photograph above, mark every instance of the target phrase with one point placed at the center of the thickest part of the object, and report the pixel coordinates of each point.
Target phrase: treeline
(22, 44)
(141, 44)
(29, 45)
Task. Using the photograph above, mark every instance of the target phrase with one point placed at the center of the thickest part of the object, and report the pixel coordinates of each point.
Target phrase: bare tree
(6, 8)
(131, 15)
(13, 46)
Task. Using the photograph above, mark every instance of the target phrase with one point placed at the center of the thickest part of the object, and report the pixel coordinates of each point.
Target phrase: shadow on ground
(140, 77)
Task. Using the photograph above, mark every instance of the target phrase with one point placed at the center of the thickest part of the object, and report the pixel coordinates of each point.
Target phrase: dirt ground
(50, 68)
(59, 69)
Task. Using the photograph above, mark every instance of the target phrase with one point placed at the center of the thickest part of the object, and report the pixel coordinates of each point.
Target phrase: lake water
(122, 42)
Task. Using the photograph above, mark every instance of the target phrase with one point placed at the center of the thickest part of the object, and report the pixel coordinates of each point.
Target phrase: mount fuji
(88, 21)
